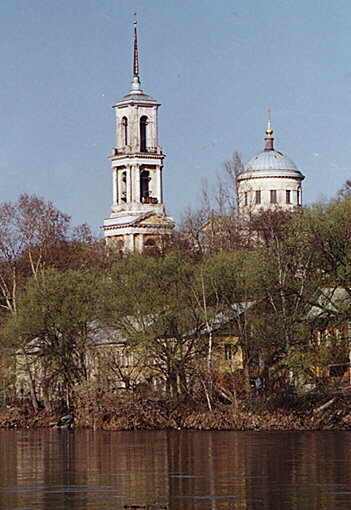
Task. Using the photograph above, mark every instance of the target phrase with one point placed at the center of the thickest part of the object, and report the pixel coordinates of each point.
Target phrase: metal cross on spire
(269, 132)
(136, 77)
(136, 54)
(269, 129)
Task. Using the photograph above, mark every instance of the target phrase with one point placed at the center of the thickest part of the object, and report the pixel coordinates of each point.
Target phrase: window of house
(245, 198)
(337, 370)
(143, 124)
(288, 196)
(273, 196)
(258, 197)
(228, 351)
(125, 130)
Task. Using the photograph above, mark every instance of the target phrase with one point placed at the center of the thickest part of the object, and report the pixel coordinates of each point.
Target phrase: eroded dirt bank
(331, 413)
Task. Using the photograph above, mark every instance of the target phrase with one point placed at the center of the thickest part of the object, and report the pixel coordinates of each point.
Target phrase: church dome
(270, 160)
(269, 179)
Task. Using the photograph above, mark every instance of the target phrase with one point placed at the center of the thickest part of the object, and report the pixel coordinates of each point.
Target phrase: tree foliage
(151, 300)
(57, 319)
(258, 280)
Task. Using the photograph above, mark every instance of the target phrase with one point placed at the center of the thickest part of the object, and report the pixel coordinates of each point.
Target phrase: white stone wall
(128, 207)
(265, 182)
(131, 187)
(133, 113)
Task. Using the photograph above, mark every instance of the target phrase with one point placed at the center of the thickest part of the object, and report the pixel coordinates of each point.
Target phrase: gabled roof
(329, 303)
(100, 334)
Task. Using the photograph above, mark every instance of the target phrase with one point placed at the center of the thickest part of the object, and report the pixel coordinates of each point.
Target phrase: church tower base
(143, 233)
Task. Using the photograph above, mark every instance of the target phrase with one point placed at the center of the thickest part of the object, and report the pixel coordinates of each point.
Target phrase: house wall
(228, 355)
(335, 341)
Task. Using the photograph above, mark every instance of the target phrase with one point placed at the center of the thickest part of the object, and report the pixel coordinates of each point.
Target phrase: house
(107, 360)
(331, 333)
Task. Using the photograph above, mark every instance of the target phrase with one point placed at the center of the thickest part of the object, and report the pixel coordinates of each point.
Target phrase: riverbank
(331, 414)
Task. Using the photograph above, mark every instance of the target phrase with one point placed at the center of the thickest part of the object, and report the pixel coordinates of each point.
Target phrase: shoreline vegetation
(312, 413)
(235, 323)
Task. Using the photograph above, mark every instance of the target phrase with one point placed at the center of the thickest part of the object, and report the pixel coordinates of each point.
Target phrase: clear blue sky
(216, 66)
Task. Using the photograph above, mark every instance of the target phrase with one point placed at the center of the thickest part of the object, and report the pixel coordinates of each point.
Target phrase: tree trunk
(46, 395)
(33, 395)
(247, 378)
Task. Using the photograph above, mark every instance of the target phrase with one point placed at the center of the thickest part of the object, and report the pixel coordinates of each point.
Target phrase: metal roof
(137, 96)
(330, 302)
(270, 160)
(127, 220)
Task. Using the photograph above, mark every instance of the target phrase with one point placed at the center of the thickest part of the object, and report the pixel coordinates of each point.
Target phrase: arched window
(144, 185)
(125, 130)
(124, 186)
(151, 248)
(143, 137)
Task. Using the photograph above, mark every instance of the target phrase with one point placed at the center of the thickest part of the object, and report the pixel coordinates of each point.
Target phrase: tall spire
(136, 77)
(269, 132)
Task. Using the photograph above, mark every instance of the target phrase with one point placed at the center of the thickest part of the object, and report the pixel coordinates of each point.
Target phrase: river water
(84, 470)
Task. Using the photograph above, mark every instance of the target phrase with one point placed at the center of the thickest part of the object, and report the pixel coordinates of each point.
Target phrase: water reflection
(178, 470)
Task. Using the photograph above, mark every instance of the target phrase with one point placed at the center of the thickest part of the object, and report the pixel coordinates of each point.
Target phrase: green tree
(232, 292)
(329, 231)
(345, 191)
(59, 312)
(35, 235)
(151, 302)
(28, 228)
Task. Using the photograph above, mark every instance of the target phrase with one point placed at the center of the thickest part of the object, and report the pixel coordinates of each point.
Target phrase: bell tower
(138, 220)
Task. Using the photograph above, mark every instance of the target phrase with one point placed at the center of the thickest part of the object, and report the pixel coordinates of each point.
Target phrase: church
(269, 180)
(138, 220)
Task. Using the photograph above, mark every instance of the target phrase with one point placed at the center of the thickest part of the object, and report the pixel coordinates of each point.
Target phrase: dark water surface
(180, 470)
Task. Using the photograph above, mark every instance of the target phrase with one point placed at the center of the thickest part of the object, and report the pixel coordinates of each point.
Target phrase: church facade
(138, 220)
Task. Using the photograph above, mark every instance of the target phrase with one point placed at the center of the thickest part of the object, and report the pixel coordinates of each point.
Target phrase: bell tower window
(144, 186)
(125, 130)
(143, 137)
(124, 186)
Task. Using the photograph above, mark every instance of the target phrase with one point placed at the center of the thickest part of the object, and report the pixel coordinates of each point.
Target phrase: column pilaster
(161, 184)
(137, 183)
(114, 186)
(128, 183)
(119, 186)
(158, 184)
